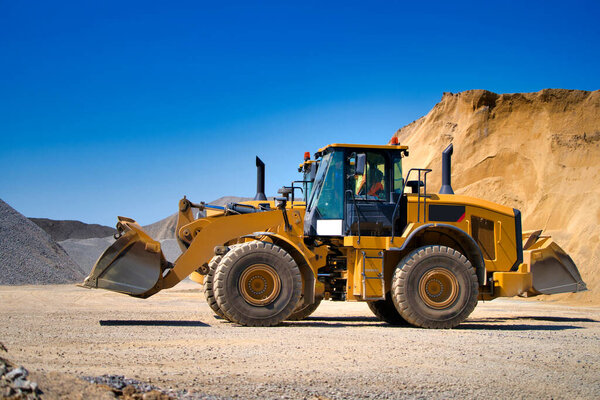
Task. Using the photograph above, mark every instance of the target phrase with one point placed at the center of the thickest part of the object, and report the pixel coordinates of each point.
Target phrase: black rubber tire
(209, 294)
(386, 311)
(405, 287)
(303, 311)
(235, 262)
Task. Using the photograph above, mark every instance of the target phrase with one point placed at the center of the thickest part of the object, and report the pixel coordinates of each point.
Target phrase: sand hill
(62, 230)
(539, 152)
(28, 255)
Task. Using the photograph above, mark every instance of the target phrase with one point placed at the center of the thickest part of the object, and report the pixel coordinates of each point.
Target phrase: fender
(463, 238)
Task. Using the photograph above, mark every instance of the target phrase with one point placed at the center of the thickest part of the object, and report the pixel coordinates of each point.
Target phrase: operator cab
(356, 190)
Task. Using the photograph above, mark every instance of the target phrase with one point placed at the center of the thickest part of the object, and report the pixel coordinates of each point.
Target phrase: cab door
(368, 208)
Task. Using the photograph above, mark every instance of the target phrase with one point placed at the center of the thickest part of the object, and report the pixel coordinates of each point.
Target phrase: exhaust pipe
(446, 170)
(260, 180)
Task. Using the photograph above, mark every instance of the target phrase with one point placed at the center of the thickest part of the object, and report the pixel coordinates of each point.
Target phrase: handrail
(419, 170)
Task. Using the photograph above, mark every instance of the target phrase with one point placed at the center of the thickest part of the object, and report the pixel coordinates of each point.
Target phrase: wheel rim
(438, 288)
(259, 284)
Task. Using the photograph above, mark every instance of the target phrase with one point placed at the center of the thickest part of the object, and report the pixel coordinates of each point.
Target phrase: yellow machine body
(507, 262)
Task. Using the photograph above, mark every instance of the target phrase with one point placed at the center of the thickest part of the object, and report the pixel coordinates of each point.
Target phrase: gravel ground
(28, 255)
(507, 349)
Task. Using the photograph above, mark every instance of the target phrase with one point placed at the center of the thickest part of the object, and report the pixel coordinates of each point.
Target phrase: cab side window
(372, 185)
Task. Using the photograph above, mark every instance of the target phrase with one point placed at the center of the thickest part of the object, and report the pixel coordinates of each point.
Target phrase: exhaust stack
(260, 180)
(447, 170)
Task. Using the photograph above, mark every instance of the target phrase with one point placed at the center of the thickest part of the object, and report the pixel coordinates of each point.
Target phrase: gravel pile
(133, 389)
(129, 388)
(63, 230)
(28, 255)
(85, 252)
(163, 229)
(14, 383)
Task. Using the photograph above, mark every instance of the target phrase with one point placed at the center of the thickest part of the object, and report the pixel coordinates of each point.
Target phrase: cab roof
(365, 146)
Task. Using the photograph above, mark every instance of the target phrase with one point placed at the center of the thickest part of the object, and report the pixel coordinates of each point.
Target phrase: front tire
(435, 287)
(257, 284)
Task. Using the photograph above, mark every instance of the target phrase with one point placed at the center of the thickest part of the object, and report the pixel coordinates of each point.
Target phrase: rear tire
(303, 311)
(435, 287)
(257, 284)
(386, 311)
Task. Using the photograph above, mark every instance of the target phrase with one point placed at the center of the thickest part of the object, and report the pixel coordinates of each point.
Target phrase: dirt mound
(63, 230)
(539, 152)
(28, 255)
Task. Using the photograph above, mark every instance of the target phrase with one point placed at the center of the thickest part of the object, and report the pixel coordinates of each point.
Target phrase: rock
(15, 373)
(129, 390)
(23, 384)
(7, 392)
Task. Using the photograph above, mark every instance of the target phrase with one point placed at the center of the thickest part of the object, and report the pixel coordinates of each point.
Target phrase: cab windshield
(323, 166)
(328, 188)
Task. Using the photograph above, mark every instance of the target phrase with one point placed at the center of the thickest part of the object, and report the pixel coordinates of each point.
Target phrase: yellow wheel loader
(363, 230)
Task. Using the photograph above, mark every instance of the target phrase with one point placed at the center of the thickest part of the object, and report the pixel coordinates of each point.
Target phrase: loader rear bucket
(552, 270)
(133, 265)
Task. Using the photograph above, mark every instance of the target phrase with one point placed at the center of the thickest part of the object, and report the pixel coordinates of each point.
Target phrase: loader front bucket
(552, 270)
(133, 264)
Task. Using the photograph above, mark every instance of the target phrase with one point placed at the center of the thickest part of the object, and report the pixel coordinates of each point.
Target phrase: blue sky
(121, 108)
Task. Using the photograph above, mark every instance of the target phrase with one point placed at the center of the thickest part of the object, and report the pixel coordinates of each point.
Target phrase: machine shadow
(343, 319)
(534, 318)
(491, 324)
(143, 322)
(336, 322)
(554, 319)
(484, 326)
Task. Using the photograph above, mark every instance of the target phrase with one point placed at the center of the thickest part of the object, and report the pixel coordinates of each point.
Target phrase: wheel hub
(259, 284)
(438, 288)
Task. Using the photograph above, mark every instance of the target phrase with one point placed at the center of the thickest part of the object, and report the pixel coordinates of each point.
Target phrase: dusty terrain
(538, 152)
(506, 349)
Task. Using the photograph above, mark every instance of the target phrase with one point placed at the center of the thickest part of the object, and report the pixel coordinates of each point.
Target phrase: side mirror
(361, 162)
